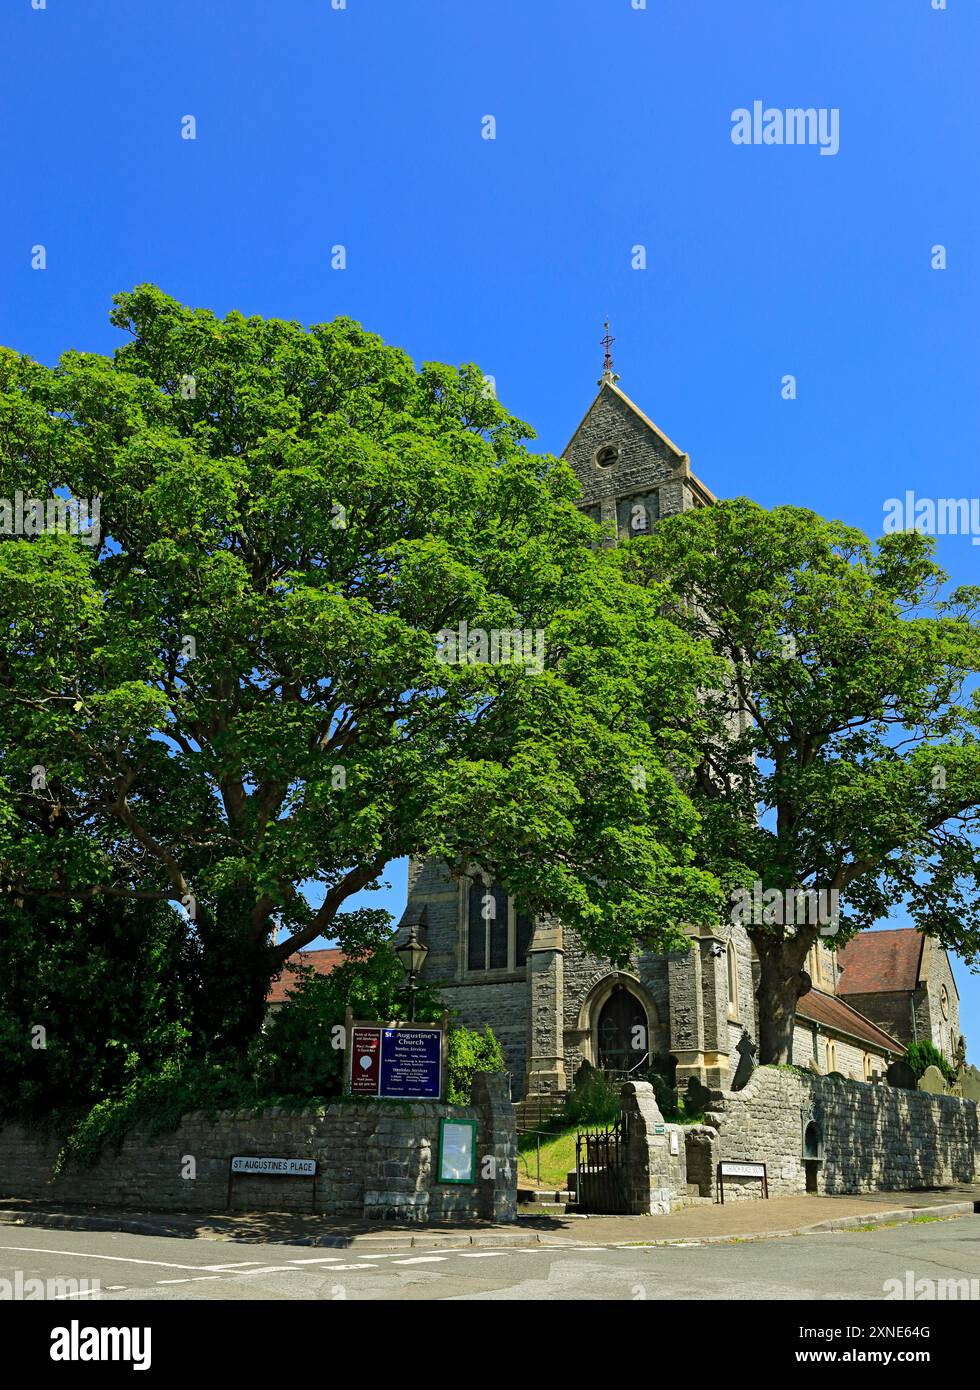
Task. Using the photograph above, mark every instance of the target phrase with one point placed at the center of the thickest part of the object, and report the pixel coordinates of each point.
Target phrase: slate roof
(878, 962)
(832, 1013)
(323, 962)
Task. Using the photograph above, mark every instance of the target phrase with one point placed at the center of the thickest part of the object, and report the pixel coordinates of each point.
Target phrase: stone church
(551, 1004)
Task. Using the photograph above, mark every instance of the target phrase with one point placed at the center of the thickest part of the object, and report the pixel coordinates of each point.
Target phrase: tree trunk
(782, 981)
(233, 972)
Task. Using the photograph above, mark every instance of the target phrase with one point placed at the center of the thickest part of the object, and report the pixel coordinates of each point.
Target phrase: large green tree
(841, 754)
(234, 696)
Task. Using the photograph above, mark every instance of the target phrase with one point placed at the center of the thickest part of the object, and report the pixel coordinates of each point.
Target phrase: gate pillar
(656, 1159)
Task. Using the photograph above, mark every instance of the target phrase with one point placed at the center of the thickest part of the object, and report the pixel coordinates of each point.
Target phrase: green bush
(592, 1101)
(470, 1052)
(920, 1055)
(157, 1100)
(301, 1049)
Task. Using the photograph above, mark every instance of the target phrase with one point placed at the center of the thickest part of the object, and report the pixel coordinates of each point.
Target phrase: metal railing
(523, 1157)
(626, 1073)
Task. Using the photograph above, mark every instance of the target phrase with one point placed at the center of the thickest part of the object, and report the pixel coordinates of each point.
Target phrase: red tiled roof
(323, 962)
(839, 1017)
(874, 962)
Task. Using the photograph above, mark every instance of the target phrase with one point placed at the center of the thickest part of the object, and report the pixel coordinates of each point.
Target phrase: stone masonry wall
(807, 1048)
(873, 1137)
(377, 1160)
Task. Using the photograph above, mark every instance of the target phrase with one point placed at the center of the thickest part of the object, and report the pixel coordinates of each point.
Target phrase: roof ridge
(878, 1033)
(683, 465)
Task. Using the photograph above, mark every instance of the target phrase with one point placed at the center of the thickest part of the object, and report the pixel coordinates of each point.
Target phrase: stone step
(539, 1196)
(533, 1111)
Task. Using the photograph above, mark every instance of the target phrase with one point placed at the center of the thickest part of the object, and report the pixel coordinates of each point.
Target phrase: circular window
(944, 1001)
(608, 454)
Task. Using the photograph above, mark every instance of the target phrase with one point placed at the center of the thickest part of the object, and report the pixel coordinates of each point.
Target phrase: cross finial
(607, 363)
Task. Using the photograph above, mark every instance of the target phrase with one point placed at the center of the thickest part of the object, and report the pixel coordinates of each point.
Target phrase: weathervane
(607, 363)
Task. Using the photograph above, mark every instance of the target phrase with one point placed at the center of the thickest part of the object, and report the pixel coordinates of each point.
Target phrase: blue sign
(411, 1063)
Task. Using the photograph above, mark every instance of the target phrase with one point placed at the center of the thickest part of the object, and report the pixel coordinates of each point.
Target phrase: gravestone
(697, 1098)
(901, 1076)
(933, 1081)
(970, 1082)
(746, 1061)
(584, 1075)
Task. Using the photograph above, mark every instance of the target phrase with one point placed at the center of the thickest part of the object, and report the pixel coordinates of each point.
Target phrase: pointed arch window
(498, 937)
(732, 980)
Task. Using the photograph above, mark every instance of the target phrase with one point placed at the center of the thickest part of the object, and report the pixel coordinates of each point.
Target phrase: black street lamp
(412, 953)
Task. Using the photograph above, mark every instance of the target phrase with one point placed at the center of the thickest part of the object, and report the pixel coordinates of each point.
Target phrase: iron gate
(600, 1170)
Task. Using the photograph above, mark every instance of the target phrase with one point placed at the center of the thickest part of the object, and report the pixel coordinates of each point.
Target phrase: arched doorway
(622, 1032)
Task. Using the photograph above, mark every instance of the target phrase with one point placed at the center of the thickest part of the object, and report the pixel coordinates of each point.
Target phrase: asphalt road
(841, 1265)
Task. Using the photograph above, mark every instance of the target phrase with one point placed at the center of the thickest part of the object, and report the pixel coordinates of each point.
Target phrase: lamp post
(412, 953)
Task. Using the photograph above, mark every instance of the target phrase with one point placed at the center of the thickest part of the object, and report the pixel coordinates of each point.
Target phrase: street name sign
(277, 1167)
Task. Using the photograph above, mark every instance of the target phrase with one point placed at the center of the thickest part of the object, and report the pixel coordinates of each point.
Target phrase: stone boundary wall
(873, 1137)
(377, 1161)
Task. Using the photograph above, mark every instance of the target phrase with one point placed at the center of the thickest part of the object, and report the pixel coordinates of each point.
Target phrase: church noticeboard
(365, 1061)
(457, 1151)
(411, 1063)
(396, 1061)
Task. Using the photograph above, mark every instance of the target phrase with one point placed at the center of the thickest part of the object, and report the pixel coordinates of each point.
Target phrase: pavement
(701, 1224)
(937, 1259)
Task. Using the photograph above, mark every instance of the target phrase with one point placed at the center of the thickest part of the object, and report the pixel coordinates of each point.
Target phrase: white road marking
(335, 1269)
(422, 1260)
(372, 1255)
(80, 1293)
(323, 1260)
(201, 1279)
(481, 1254)
(241, 1264)
(85, 1255)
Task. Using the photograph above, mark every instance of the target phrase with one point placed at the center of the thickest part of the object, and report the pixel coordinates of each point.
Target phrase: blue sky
(362, 127)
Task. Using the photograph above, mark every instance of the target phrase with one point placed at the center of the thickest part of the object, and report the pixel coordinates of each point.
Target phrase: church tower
(631, 473)
(550, 1002)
